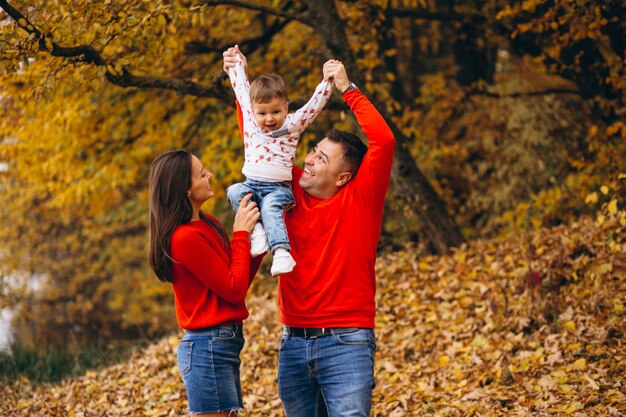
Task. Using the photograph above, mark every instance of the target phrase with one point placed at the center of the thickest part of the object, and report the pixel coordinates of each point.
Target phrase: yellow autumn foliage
(75, 145)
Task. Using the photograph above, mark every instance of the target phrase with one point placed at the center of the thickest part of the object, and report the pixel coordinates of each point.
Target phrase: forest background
(509, 118)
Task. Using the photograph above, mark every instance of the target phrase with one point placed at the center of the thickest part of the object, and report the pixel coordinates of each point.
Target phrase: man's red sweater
(333, 241)
(210, 281)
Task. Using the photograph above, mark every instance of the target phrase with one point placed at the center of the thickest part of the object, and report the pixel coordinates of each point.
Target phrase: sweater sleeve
(229, 280)
(372, 179)
(241, 87)
(305, 115)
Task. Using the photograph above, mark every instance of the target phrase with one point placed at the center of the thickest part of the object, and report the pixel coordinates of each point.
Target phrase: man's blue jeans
(272, 198)
(338, 367)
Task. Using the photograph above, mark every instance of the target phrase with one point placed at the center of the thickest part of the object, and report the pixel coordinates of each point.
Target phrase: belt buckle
(313, 336)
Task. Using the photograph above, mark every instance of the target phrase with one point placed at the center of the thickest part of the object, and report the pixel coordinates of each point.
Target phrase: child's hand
(336, 72)
(247, 215)
(230, 57)
(328, 64)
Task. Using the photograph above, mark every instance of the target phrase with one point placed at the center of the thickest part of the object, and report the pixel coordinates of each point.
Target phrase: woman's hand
(247, 215)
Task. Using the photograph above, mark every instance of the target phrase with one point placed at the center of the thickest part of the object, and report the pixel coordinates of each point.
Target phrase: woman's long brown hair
(169, 207)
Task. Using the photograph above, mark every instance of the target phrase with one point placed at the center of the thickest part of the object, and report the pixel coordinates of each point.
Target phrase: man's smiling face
(325, 170)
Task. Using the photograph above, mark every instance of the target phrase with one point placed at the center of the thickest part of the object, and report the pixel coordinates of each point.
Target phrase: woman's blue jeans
(208, 360)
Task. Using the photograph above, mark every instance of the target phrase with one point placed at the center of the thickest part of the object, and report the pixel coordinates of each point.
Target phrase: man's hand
(230, 58)
(336, 72)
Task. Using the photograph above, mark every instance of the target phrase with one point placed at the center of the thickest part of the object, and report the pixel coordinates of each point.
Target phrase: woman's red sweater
(210, 280)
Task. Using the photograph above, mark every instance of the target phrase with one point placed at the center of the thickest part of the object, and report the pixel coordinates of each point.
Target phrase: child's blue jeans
(272, 198)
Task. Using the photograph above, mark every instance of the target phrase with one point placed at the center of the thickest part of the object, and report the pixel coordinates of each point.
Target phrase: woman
(210, 277)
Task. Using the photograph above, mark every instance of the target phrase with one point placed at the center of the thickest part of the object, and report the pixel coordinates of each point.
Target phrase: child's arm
(235, 67)
(241, 86)
(305, 115)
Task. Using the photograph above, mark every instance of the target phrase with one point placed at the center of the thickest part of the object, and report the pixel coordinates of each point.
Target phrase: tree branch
(262, 9)
(123, 77)
(181, 86)
(435, 15)
(477, 92)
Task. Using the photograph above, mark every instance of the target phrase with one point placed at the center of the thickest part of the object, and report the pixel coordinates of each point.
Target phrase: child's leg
(258, 238)
(272, 209)
(236, 192)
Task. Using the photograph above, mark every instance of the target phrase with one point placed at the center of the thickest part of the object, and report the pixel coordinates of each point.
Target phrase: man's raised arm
(375, 170)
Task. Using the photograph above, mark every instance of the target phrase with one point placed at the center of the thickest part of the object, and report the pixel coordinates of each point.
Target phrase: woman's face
(200, 190)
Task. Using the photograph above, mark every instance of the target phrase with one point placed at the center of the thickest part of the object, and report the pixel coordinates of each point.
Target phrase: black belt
(235, 328)
(313, 332)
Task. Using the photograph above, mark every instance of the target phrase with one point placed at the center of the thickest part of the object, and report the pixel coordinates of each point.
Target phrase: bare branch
(263, 9)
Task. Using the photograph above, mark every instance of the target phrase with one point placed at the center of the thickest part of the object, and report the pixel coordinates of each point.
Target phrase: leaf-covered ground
(532, 326)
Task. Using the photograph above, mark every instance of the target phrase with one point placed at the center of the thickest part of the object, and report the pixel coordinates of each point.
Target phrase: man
(327, 302)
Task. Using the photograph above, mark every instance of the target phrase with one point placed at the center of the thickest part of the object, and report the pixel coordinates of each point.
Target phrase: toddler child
(270, 136)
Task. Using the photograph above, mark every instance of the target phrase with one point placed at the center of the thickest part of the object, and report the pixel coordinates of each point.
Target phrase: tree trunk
(410, 184)
(474, 62)
(388, 42)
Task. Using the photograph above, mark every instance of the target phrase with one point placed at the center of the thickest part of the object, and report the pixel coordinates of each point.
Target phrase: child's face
(270, 115)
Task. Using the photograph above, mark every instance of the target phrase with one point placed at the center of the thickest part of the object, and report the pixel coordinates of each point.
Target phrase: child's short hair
(267, 87)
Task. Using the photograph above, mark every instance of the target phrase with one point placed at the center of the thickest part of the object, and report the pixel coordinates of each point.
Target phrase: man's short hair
(267, 87)
(354, 148)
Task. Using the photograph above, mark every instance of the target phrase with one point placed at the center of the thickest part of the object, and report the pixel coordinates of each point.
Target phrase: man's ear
(343, 178)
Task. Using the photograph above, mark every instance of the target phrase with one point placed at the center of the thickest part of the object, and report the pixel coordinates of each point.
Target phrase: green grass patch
(53, 364)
